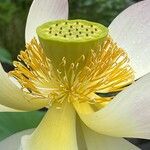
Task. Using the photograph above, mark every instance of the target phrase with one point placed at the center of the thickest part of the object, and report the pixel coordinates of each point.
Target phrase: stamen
(34, 71)
(106, 70)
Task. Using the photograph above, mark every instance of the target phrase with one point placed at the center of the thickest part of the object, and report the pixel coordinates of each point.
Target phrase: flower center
(75, 71)
(70, 39)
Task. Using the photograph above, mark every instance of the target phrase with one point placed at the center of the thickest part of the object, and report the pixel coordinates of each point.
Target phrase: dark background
(13, 14)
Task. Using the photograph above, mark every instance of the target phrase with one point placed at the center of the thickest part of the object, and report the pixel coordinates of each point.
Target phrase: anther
(77, 36)
(77, 65)
(65, 36)
(58, 71)
(65, 78)
(83, 57)
(64, 61)
(72, 65)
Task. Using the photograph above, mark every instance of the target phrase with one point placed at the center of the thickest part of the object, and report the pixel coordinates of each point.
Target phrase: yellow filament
(106, 70)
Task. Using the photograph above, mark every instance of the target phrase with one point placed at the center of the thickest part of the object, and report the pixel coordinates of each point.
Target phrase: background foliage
(13, 14)
(103, 11)
(12, 23)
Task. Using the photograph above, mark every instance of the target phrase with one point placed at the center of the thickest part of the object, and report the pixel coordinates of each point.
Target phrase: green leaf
(5, 56)
(13, 122)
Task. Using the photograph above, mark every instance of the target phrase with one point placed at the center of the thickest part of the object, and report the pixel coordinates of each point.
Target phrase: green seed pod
(69, 40)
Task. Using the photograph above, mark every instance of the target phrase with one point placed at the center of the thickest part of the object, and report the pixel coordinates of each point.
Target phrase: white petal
(57, 131)
(127, 115)
(42, 11)
(7, 109)
(11, 96)
(97, 141)
(15, 82)
(13, 142)
(131, 30)
(80, 136)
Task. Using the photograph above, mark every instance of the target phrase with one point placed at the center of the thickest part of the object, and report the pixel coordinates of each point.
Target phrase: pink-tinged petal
(12, 96)
(42, 11)
(131, 30)
(97, 141)
(127, 115)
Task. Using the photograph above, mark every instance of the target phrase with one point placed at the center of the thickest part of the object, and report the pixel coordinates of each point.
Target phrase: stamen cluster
(105, 70)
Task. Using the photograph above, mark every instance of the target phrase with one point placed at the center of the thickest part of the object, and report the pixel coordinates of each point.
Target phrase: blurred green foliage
(13, 14)
(12, 23)
(5, 56)
(13, 122)
(103, 11)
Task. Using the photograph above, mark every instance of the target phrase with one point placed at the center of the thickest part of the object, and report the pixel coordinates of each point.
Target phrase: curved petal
(127, 115)
(131, 30)
(11, 96)
(97, 141)
(15, 82)
(80, 136)
(42, 11)
(56, 131)
(8, 109)
(13, 142)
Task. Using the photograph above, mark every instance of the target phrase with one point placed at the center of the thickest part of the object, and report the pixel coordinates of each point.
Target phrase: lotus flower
(81, 112)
